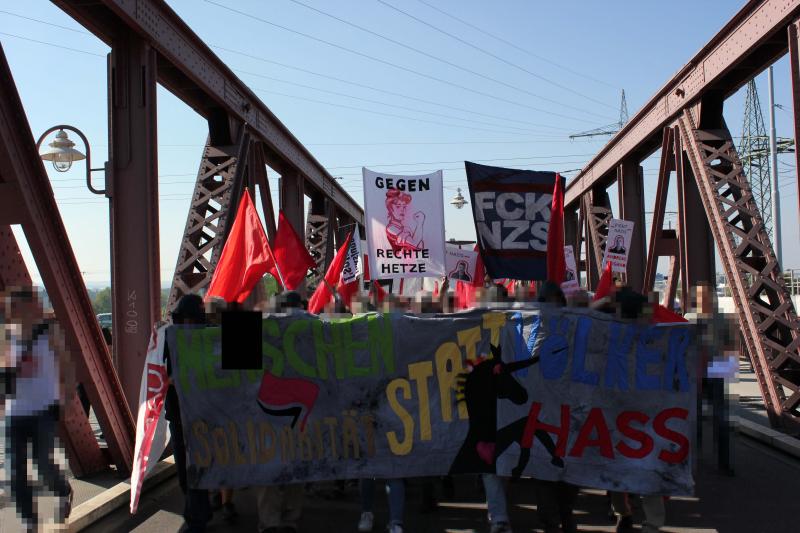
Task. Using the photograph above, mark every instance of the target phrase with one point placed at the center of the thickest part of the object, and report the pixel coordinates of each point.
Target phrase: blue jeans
(495, 498)
(396, 492)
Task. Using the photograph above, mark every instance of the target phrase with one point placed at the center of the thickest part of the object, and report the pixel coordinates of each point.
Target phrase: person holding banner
(630, 305)
(196, 508)
(281, 506)
(555, 499)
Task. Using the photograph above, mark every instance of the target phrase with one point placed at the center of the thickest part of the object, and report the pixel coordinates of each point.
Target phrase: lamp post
(62, 153)
(458, 200)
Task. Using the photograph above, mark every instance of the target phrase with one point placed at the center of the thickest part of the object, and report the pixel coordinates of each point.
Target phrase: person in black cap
(196, 509)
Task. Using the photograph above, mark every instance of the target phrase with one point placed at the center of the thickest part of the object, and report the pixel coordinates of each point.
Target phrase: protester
(720, 361)
(37, 378)
(196, 508)
(281, 506)
(630, 305)
(555, 499)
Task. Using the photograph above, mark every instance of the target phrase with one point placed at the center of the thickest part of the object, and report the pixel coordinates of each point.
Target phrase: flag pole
(278, 270)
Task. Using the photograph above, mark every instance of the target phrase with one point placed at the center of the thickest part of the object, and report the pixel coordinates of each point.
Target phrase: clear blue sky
(578, 55)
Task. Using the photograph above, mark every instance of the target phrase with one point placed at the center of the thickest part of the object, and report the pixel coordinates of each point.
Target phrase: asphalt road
(760, 497)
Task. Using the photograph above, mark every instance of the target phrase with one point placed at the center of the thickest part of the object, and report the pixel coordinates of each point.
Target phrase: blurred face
(23, 309)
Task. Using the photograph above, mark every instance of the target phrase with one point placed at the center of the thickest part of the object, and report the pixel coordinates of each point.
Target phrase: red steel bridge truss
(150, 44)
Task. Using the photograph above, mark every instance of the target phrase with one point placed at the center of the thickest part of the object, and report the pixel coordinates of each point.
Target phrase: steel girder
(26, 187)
(208, 221)
(132, 186)
(746, 45)
(191, 71)
(767, 316)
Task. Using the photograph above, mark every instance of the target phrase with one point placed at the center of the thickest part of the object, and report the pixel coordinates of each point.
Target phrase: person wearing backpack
(35, 382)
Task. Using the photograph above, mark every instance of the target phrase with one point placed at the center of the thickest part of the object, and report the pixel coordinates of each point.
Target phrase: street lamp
(458, 200)
(62, 153)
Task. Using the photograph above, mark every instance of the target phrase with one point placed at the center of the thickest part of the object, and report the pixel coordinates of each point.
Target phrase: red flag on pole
(347, 290)
(292, 259)
(556, 264)
(245, 258)
(323, 294)
(606, 284)
(378, 291)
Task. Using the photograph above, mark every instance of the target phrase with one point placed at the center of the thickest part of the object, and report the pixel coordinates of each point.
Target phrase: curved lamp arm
(80, 134)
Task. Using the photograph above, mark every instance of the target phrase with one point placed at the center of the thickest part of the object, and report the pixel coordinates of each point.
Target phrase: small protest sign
(460, 264)
(618, 243)
(570, 283)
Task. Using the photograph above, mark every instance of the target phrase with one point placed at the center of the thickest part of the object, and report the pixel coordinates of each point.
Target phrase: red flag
(323, 294)
(379, 291)
(662, 315)
(245, 258)
(346, 291)
(465, 295)
(606, 284)
(465, 292)
(556, 264)
(291, 255)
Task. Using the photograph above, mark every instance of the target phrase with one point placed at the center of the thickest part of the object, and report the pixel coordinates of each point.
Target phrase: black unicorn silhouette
(487, 380)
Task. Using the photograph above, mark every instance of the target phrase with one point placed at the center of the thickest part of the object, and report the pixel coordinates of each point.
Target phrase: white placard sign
(352, 262)
(617, 244)
(404, 219)
(570, 283)
(460, 264)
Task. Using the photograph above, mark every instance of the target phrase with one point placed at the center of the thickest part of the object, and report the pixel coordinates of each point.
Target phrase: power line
(45, 22)
(376, 89)
(391, 64)
(405, 108)
(392, 115)
(490, 54)
(54, 45)
(437, 58)
(461, 161)
(516, 47)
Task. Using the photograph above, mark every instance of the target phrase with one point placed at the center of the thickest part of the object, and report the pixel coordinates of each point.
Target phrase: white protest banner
(352, 261)
(570, 283)
(152, 430)
(618, 243)
(404, 219)
(460, 264)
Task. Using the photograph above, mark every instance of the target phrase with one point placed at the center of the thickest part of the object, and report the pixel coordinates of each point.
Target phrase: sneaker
(229, 513)
(395, 528)
(366, 521)
(500, 527)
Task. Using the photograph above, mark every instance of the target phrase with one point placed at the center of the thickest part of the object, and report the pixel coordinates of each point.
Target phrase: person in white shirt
(32, 399)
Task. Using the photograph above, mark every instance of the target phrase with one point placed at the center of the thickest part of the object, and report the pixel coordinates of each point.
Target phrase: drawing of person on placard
(460, 272)
(569, 275)
(401, 234)
(619, 245)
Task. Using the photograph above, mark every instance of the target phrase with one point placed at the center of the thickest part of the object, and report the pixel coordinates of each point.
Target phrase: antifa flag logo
(511, 209)
(290, 397)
